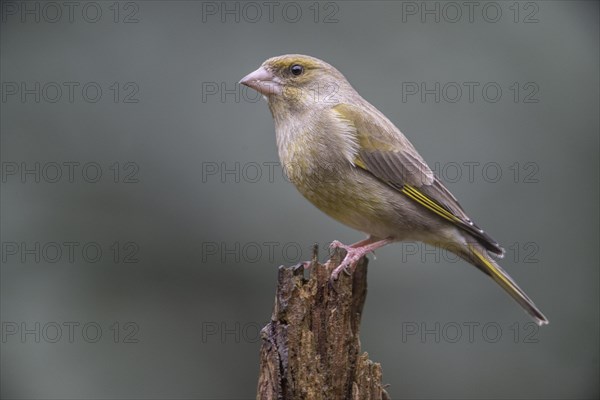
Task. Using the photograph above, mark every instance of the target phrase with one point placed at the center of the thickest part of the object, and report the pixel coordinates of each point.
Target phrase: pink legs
(356, 251)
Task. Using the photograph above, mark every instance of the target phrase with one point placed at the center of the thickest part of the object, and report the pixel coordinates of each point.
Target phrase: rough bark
(311, 347)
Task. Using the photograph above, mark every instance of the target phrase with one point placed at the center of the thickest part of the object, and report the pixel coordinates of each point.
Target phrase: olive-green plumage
(351, 162)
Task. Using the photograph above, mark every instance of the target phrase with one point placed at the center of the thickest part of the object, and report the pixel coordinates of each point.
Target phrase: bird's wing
(390, 157)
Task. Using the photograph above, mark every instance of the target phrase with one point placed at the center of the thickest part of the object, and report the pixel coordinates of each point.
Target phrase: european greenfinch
(352, 162)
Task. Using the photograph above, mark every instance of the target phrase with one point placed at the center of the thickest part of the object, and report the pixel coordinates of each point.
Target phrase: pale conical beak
(263, 81)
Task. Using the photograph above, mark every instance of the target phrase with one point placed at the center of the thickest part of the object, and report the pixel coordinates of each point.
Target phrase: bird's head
(298, 81)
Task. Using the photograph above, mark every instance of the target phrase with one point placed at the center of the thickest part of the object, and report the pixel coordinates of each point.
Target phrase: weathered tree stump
(311, 347)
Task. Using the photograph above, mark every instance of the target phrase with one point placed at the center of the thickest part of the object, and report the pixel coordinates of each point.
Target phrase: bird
(355, 165)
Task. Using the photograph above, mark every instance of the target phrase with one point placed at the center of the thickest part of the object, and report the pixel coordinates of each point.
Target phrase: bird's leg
(355, 252)
(364, 242)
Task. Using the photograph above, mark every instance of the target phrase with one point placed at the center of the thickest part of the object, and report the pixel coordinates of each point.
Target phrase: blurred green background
(144, 213)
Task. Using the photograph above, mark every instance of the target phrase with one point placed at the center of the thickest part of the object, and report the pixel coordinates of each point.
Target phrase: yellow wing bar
(425, 201)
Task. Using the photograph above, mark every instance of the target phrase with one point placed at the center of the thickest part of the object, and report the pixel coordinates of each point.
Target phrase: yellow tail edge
(509, 285)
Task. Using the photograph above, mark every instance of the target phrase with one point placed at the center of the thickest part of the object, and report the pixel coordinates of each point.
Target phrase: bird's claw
(345, 267)
(336, 244)
(347, 263)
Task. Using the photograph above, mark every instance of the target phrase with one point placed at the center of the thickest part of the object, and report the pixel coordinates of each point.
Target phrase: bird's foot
(349, 262)
(354, 253)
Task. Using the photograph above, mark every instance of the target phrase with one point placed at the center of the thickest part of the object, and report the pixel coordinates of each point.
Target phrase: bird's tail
(479, 257)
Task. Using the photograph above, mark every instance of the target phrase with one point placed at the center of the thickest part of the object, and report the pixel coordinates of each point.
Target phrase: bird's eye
(296, 69)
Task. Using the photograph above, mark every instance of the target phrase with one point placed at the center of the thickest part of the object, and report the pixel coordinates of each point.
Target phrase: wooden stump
(311, 347)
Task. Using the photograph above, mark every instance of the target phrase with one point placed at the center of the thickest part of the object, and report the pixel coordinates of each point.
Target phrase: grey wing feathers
(399, 168)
